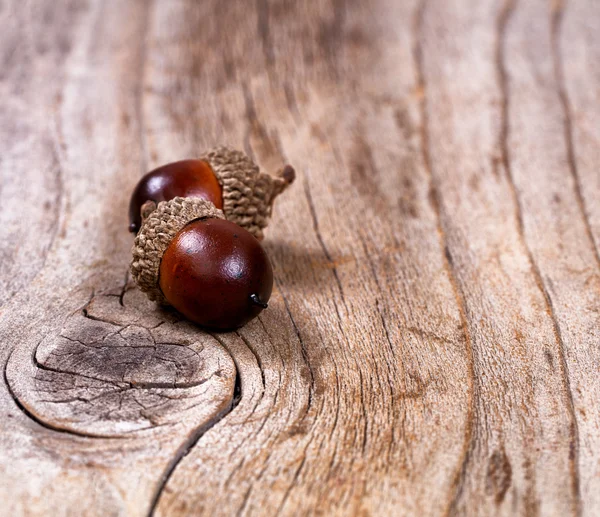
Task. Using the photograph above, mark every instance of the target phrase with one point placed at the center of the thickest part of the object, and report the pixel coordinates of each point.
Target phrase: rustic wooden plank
(431, 344)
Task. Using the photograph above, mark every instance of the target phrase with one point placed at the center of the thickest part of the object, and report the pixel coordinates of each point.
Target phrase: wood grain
(431, 346)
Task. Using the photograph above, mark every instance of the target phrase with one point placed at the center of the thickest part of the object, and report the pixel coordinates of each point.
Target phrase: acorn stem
(288, 174)
(257, 301)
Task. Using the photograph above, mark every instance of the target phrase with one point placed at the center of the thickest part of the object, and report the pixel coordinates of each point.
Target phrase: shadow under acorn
(297, 267)
(299, 271)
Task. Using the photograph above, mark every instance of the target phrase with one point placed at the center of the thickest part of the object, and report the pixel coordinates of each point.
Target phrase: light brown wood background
(432, 346)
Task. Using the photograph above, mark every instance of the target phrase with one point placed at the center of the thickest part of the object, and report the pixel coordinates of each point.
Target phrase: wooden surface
(432, 346)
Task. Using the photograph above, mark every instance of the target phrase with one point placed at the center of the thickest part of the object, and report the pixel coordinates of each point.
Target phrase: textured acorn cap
(157, 232)
(248, 194)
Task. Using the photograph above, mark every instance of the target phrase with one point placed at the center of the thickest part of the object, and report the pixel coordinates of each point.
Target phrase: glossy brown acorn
(186, 178)
(216, 274)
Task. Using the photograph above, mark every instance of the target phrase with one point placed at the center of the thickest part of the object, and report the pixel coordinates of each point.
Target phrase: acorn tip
(257, 301)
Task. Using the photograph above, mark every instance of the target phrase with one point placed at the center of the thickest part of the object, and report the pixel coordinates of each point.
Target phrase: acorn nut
(186, 178)
(211, 270)
(224, 176)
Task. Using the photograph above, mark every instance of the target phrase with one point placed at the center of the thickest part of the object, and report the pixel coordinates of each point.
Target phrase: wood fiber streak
(431, 344)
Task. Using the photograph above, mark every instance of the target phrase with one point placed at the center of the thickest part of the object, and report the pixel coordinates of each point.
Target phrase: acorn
(186, 178)
(224, 176)
(211, 270)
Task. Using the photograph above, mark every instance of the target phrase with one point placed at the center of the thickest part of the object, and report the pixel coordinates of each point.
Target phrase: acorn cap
(157, 232)
(248, 194)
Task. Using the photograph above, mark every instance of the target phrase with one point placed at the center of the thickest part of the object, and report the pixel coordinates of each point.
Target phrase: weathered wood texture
(433, 341)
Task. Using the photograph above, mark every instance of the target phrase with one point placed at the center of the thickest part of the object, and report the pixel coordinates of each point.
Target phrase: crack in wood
(315, 222)
(303, 351)
(449, 266)
(189, 445)
(503, 20)
(556, 24)
(293, 483)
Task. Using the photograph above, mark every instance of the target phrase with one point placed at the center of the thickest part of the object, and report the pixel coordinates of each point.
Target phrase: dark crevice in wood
(246, 497)
(235, 470)
(264, 382)
(303, 351)
(200, 432)
(503, 20)
(244, 501)
(264, 469)
(99, 346)
(502, 78)
(239, 387)
(124, 288)
(80, 399)
(357, 364)
(283, 365)
(258, 362)
(188, 445)
(339, 318)
(371, 263)
(88, 316)
(574, 427)
(250, 488)
(391, 382)
(449, 266)
(380, 312)
(556, 24)
(310, 401)
(237, 390)
(315, 222)
(85, 313)
(386, 333)
(292, 484)
(337, 387)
